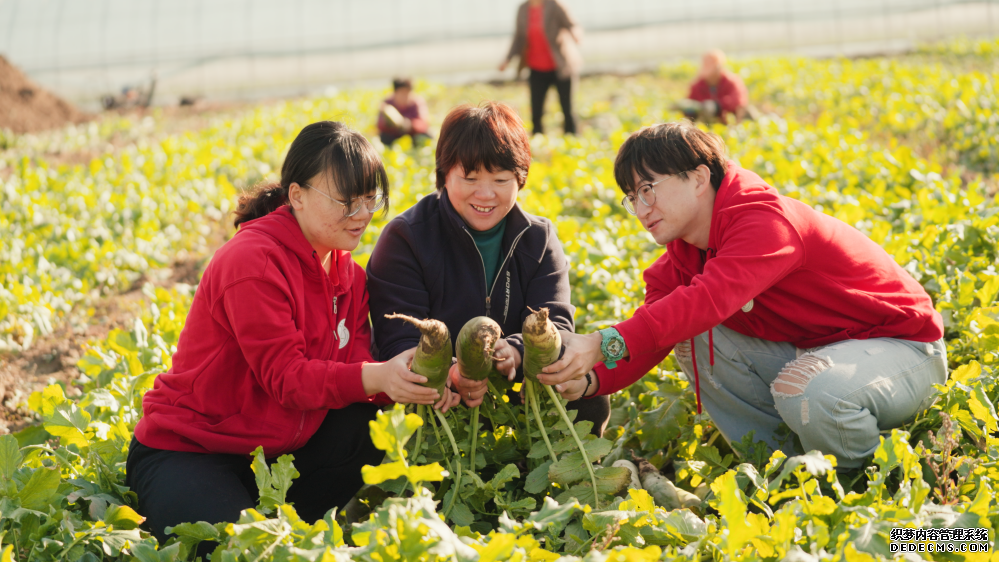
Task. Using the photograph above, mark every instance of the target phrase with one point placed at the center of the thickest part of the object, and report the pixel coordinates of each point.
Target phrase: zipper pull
(488, 299)
(334, 306)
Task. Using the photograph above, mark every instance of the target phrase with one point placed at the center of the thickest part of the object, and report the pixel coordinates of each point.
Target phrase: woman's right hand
(394, 378)
(471, 391)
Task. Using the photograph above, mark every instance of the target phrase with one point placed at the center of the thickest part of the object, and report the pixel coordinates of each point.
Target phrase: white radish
(636, 483)
(662, 490)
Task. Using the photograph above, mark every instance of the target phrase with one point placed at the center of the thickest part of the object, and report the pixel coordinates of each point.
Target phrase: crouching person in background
(717, 93)
(403, 113)
(776, 312)
(469, 250)
(275, 351)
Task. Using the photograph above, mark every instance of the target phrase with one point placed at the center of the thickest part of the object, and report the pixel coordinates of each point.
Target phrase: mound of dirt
(26, 107)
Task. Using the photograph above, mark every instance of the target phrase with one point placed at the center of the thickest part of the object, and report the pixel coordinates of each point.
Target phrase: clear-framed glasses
(646, 194)
(374, 203)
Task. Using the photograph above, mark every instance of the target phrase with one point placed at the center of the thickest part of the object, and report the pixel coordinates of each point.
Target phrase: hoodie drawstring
(711, 352)
(711, 361)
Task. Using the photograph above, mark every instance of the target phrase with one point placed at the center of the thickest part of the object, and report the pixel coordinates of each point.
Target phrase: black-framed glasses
(646, 194)
(373, 203)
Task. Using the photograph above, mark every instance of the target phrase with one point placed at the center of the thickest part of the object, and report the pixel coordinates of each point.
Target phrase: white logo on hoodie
(343, 333)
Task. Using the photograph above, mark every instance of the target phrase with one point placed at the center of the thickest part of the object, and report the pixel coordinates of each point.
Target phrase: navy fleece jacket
(426, 265)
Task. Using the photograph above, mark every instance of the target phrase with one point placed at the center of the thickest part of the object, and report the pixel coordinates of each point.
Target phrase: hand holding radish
(450, 400)
(471, 391)
(573, 389)
(506, 358)
(582, 352)
(394, 378)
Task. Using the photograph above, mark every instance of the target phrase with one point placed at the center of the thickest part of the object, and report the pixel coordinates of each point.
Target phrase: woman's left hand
(506, 359)
(468, 390)
(582, 352)
(449, 400)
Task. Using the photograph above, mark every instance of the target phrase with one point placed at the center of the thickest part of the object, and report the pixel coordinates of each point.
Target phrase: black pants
(175, 487)
(540, 82)
(596, 410)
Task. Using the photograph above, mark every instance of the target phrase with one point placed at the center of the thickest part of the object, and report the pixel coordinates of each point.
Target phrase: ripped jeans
(837, 398)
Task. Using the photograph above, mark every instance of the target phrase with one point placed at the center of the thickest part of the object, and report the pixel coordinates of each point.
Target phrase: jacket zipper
(502, 264)
(326, 290)
(301, 421)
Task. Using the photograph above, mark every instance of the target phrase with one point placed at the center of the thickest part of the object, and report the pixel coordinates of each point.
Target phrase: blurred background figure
(403, 113)
(545, 40)
(717, 92)
(132, 96)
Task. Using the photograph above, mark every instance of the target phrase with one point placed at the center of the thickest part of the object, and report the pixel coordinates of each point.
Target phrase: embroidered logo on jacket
(343, 333)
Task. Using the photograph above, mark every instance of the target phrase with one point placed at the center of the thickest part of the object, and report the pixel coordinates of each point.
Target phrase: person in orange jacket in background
(717, 93)
(545, 40)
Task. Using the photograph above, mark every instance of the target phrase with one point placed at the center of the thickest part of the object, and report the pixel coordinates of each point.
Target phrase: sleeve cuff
(350, 384)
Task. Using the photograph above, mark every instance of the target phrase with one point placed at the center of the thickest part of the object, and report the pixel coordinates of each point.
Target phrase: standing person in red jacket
(545, 40)
(403, 113)
(717, 93)
(275, 350)
(775, 311)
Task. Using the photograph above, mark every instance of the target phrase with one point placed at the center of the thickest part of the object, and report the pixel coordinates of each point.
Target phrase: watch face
(615, 346)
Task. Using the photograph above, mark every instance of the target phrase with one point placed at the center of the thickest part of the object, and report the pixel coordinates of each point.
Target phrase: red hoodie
(777, 270)
(730, 93)
(271, 343)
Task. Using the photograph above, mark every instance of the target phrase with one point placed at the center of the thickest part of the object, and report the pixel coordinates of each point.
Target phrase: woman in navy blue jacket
(469, 250)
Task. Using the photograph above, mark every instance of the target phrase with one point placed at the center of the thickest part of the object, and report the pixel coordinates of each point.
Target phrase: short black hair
(490, 137)
(669, 149)
(400, 83)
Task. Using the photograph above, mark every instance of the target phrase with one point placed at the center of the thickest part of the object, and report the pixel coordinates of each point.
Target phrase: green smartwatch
(612, 346)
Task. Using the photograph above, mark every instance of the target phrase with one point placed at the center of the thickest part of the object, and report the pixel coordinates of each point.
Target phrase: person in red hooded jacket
(717, 92)
(275, 350)
(775, 311)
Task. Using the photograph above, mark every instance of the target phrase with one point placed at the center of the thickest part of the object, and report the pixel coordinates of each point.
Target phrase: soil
(26, 107)
(52, 359)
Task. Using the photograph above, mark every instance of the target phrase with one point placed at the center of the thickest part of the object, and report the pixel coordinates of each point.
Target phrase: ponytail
(260, 201)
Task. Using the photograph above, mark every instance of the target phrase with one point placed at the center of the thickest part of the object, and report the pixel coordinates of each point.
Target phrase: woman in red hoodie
(776, 312)
(275, 350)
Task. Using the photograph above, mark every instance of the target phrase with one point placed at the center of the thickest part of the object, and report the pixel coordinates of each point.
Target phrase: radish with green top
(476, 342)
(542, 345)
(433, 353)
(433, 360)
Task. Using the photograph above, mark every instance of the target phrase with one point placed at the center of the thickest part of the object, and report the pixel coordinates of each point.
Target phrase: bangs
(490, 138)
(641, 155)
(482, 147)
(668, 149)
(355, 167)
